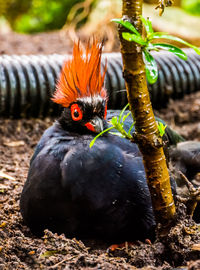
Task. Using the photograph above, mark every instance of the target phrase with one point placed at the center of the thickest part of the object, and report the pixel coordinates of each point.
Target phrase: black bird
(86, 192)
(186, 158)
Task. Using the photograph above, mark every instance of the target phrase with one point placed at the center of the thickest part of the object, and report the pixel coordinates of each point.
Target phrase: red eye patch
(90, 126)
(76, 112)
(105, 113)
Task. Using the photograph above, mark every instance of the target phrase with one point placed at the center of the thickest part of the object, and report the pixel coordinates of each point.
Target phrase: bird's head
(81, 92)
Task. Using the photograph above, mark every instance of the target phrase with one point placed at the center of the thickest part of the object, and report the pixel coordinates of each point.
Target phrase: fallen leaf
(14, 143)
(6, 176)
(48, 253)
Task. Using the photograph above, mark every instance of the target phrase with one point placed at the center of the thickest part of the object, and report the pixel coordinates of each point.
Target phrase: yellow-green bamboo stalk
(147, 134)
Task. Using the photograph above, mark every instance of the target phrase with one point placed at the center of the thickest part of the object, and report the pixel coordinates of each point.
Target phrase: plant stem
(146, 131)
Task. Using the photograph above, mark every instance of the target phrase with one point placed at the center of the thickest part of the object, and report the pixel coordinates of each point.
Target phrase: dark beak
(95, 125)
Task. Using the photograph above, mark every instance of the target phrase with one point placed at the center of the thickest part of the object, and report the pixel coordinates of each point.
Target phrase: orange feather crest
(81, 76)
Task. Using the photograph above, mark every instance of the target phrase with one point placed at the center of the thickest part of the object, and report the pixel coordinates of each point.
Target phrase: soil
(42, 43)
(19, 249)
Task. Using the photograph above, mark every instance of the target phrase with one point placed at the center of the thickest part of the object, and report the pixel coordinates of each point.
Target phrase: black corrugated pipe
(28, 82)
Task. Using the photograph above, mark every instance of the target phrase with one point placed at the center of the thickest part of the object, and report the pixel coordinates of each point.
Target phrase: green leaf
(117, 134)
(100, 134)
(127, 25)
(161, 128)
(150, 67)
(147, 24)
(157, 33)
(131, 127)
(125, 116)
(49, 253)
(171, 48)
(114, 121)
(165, 36)
(121, 113)
(135, 38)
(150, 47)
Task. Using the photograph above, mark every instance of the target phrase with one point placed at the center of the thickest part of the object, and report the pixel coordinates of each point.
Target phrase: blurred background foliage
(30, 16)
(192, 6)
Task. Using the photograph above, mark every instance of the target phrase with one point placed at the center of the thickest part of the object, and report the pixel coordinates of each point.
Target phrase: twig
(6, 176)
(194, 192)
(193, 198)
(66, 259)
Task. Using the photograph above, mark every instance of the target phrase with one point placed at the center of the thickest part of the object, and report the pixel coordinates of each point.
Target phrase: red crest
(81, 76)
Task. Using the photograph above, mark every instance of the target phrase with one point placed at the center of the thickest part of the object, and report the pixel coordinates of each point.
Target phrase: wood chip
(196, 247)
(2, 187)
(14, 143)
(6, 176)
(32, 252)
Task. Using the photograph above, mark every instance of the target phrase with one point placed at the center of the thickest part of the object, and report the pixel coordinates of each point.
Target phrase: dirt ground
(19, 249)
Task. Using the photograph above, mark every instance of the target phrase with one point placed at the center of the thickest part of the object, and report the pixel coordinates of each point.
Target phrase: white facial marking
(93, 100)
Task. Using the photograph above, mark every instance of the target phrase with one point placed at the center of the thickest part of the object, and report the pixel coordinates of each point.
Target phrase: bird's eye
(105, 112)
(76, 112)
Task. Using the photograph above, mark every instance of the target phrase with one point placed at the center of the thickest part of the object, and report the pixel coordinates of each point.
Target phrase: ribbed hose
(28, 82)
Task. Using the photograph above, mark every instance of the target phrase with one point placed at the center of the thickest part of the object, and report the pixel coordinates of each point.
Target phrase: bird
(82, 191)
(186, 158)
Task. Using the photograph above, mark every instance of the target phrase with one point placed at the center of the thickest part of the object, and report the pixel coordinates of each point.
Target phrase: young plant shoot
(148, 43)
(118, 124)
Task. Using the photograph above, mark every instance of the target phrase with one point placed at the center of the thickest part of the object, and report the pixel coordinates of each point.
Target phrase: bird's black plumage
(186, 158)
(89, 192)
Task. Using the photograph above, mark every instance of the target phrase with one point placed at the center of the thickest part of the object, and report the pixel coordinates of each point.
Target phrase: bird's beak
(95, 125)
